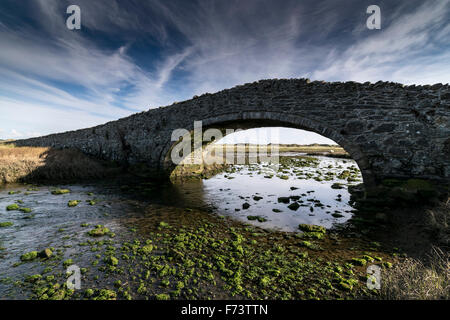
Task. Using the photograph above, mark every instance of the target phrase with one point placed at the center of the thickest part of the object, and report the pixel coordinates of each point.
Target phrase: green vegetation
(68, 262)
(12, 207)
(188, 254)
(312, 228)
(98, 231)
(29, 256)
(60, 191)
(259, 218)
(6, 224)
(73, 203)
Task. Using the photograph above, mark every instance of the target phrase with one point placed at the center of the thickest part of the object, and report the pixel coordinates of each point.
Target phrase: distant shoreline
(311, 149)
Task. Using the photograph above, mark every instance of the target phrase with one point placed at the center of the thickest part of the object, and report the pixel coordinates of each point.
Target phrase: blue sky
(134, 55)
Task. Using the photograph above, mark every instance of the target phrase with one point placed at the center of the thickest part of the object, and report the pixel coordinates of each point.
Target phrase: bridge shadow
(50, 165)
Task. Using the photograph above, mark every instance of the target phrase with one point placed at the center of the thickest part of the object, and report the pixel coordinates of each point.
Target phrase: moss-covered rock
(147, 249)
(98, 231)
(113, 261)
(60, 191)
(29, 256)
(105, 294)
(6, 224)
(73, 203)
(33, 278)
(88, 293)
(258, 218)
(12, 207)
(162, 296)
(358, 262)
(368, 258)
(342, 285)
(68, 262)
(312, 228)
(312, 235)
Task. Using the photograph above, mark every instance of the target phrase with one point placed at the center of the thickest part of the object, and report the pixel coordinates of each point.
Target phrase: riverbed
(231, 211)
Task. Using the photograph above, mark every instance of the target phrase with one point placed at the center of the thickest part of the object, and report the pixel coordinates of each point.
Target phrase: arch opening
(251, 120)
(307, 185)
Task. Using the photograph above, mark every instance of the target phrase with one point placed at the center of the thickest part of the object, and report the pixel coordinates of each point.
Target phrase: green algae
(12, 207)
(358, 261)
(258, 218)
(6, 224)
(113, 261)
(311, 235)
(240, 262)
(73, 203)
(312, 228)
(162, 296)
(163, 224)
(29, 256)
(98, 231)
(67, 262)
(60, 191)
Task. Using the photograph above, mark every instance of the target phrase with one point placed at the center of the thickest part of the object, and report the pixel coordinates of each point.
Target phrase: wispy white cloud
(57, 80)
(73, 78)
(412, 49)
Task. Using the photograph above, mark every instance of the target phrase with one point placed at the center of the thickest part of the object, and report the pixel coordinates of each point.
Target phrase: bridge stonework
(391, 130)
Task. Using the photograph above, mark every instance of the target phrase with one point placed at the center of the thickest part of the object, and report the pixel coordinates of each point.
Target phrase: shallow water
(53, 224)
(228, 196)
(50, 224)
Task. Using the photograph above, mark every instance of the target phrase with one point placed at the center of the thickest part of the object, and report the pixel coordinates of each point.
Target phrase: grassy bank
(30, 164)
(413, 279)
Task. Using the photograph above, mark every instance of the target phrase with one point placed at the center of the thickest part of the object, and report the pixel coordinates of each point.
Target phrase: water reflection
(250, 190)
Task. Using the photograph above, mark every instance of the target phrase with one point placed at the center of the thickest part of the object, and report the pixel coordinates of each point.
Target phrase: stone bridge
(391, 130)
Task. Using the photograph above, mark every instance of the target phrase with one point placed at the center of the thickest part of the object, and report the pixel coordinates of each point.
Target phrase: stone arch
(248, 120)
(393, 131)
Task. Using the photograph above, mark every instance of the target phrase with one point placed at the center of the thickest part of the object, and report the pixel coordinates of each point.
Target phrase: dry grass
(30, 164)
(413, 280)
